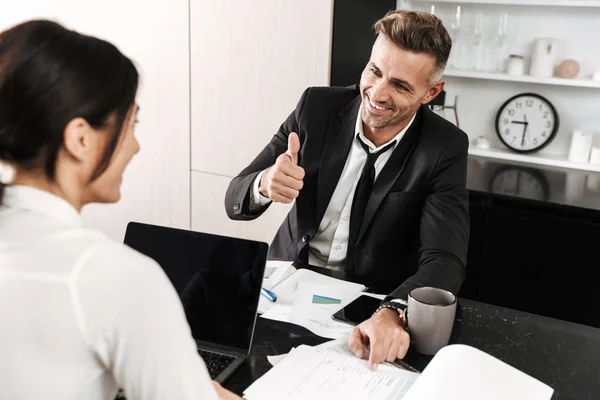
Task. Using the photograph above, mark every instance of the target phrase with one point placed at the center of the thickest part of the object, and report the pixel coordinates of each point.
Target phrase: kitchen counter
(564, 187)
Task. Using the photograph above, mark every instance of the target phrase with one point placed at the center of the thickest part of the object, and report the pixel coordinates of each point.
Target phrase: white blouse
(82, 315)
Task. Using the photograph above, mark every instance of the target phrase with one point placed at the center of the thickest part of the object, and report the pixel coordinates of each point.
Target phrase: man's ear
(433, 91)
(77, 139)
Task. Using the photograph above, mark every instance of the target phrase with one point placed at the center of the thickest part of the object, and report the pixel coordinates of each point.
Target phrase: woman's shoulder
(105, 263)
(113, 276)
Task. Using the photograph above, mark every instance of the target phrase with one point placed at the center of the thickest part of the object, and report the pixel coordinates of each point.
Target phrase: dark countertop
(564, 187)
(563, 355)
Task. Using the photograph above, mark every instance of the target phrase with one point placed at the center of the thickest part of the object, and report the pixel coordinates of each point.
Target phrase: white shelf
(547, 3)
(553, 161)
(496, 76)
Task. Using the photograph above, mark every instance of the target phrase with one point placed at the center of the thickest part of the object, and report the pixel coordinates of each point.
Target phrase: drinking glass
(455, 27)
(499, 55)
(478, 42)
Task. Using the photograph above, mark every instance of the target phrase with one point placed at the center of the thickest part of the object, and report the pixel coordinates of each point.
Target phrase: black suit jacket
(416, 226)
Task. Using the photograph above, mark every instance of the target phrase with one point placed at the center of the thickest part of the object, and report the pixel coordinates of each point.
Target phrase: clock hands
(524, 129)
(524, 123)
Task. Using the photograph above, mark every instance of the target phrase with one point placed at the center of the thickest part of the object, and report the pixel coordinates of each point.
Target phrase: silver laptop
(218, 279)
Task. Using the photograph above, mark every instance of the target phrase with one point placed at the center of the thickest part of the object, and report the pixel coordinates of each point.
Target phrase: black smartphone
(358, 310)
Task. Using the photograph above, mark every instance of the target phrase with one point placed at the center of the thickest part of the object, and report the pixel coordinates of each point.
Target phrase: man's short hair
(420, 33)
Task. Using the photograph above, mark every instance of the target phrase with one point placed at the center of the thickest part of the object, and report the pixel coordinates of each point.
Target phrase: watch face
(526, 122)
(520, 182)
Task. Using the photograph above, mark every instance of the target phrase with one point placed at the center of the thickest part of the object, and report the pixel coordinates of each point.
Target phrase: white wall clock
(526, 122)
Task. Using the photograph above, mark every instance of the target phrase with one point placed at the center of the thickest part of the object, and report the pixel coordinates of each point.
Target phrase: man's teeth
(376, 106)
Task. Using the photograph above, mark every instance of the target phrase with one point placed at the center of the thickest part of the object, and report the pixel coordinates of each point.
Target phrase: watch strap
(398, 307)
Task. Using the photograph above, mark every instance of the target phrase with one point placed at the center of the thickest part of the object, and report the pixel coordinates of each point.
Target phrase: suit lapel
(335, 152)
(391, 171)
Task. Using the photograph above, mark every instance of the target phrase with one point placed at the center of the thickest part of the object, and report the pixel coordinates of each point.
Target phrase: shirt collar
(359, 133)
(42, 202)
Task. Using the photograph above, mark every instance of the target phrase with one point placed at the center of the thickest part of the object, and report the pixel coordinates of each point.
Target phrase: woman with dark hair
(81, 315)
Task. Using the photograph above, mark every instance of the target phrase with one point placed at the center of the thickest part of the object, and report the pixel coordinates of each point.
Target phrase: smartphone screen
(357, 311)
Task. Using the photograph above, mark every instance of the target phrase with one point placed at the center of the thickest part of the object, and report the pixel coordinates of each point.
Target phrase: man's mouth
(375, 107)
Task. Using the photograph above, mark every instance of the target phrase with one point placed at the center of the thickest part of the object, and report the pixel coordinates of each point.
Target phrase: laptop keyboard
(215, 362)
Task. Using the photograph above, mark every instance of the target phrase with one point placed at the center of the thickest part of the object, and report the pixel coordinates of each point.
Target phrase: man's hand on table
(385, 336)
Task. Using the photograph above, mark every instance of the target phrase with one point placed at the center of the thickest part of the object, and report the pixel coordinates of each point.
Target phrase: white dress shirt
(329, 246)
(83, 315)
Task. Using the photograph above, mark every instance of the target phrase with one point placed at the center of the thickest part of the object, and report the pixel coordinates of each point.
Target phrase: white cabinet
(250, 62)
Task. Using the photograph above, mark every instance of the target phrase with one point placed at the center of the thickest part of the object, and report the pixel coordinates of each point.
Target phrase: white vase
(543, 57)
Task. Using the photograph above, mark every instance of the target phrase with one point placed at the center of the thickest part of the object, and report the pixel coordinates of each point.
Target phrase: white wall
(155, 35)
(250, 62)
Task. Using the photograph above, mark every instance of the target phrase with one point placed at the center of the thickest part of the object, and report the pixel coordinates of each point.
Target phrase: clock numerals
(526, 122)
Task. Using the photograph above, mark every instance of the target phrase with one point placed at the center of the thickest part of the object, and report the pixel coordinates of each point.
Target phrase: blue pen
(272, 297)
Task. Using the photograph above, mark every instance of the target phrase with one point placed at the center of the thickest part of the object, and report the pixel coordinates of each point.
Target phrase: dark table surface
(563, 355)
(560, 186)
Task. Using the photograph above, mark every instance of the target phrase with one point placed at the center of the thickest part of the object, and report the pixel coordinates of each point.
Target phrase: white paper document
(459, 372)
(279, 312)
(274, 360)
(284, 278)
(337, 346)
(313, 307)
(310, 373)
(276, 272)
(316, 303)
(330, 371)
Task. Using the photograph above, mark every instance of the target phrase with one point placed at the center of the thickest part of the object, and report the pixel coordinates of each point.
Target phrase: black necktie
(361, 198)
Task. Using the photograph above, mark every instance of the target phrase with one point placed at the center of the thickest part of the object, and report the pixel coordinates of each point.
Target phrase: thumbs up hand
(282, 182)
(293, 148)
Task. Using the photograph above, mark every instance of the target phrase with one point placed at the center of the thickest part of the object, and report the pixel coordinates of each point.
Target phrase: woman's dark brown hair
(50, 75)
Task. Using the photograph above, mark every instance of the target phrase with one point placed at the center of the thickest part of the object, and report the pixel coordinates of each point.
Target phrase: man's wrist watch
(398, 307)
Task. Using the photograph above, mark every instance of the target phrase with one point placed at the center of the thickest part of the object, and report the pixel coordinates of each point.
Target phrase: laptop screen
(218, 278)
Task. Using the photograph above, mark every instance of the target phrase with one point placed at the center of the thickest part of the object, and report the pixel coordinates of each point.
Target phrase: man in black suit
(379, 180)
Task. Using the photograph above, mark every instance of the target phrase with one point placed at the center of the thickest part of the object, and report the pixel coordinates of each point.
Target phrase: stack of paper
(340, 347)
(310, 373)
(308, 299)
(283, 278)
(456, 372)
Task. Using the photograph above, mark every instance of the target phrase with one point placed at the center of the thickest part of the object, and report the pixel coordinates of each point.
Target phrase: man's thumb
(293, 147)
